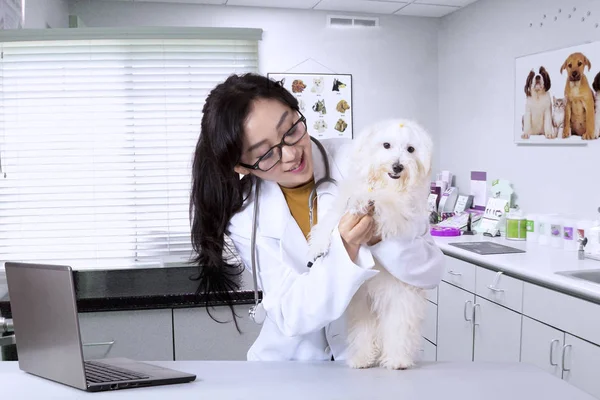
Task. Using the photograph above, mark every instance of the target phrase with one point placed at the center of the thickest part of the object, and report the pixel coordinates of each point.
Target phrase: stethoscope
(257, 311)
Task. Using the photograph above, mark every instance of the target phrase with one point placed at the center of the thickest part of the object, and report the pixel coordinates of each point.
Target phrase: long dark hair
(217, 191)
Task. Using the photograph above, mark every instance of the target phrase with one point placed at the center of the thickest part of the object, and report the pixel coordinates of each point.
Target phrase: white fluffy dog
(388, 166)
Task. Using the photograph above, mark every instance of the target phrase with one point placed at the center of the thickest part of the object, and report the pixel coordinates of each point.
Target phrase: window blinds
(97, 138)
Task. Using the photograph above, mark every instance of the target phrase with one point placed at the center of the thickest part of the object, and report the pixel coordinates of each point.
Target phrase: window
(97, 133)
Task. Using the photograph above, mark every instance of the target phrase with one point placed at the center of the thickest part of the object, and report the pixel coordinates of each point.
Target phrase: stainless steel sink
(591, 275)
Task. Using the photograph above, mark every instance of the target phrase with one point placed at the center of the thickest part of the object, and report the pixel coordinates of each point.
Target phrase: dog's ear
(564, 66)
(546, 76)
(587, 62)
(528, 83)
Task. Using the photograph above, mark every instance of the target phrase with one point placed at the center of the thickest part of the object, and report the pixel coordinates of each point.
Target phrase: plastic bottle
(532, 228)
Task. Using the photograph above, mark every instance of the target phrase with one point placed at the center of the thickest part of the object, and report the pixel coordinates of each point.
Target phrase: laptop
(46, 325)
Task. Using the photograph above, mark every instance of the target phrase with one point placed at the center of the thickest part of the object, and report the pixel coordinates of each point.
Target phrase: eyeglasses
(273, 156)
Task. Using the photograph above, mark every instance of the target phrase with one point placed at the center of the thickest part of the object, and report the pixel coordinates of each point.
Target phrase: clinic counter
(135, 289)
(320, 380)
(538, 265)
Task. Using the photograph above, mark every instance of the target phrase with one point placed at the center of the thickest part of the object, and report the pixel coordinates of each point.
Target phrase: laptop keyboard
(99, 373)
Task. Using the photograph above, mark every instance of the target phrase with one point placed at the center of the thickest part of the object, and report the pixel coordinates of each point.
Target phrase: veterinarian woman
(253, 127)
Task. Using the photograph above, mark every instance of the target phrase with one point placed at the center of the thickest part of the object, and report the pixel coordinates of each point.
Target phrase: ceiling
(423, 8)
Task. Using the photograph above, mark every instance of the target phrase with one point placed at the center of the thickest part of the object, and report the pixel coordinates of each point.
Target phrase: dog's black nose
(537, 78)
(397, 168)
(574, 73)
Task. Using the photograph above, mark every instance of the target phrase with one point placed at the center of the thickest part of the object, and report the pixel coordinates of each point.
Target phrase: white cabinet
(430, 323)
(472, 328)
(497, 332)
(198, 337)
(581, 364)
(427, 352)
(541, 345)
(143, 335)
(484, 315)
(455, 329)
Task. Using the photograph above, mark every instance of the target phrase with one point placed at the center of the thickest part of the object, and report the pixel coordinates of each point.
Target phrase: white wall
(477, 50)
(40, 13)
(394, 68)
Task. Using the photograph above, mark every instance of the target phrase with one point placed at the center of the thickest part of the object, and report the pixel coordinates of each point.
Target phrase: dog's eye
(579, 63)
(570, 65)
(411, 149)
(386, 145)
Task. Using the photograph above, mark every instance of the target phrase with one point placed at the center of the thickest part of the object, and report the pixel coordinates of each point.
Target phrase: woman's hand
(355, 230)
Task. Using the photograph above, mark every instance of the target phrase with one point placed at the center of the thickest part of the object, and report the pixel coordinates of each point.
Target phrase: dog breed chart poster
(324, 99)
(557, 96)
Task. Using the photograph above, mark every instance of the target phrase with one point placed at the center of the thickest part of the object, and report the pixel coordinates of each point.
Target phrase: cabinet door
(198, 337)
(430, 323)
(541, 345)
(143, 335)
(455, 329)
(581, 364)
(497, 333)
(427, 351)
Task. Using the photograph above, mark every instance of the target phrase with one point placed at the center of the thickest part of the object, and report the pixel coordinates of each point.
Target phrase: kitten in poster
(558, 115)
(320, 125)
(301, 105)
(319, 107)
(318, 85)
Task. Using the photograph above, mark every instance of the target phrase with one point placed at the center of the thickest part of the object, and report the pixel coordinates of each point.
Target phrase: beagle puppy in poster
(579, 110)
(537, 119)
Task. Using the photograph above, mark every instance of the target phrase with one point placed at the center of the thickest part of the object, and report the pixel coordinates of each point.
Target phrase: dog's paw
(400, 363)
(566, 133)
(360, 362)
(525, 136)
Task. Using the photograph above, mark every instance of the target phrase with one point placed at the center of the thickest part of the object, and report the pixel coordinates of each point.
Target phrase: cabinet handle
(100, 343)
(475, 313)
(564, 350)
(552, 352)
(465, 310)
(454, 273)
(493, 287)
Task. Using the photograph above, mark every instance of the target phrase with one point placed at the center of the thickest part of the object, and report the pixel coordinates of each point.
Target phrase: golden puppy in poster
(579, 110)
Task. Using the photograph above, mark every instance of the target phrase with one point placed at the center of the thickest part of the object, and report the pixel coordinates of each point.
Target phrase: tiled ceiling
(422, 8)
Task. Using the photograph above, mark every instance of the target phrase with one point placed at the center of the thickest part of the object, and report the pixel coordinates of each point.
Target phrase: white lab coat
(305, 306)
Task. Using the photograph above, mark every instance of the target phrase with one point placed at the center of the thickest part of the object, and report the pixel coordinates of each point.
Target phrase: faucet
(6, 325)
(581, 251)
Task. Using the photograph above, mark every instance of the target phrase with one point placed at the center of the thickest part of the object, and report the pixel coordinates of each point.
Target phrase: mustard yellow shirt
(297, 201)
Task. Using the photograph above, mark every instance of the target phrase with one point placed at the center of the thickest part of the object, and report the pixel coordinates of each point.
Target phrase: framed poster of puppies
(324, 99)
(556, 96)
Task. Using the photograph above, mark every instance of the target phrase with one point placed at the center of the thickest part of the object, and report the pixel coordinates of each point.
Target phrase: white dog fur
(385, 315)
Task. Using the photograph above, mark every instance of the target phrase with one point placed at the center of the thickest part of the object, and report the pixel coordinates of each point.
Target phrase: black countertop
(135, 289)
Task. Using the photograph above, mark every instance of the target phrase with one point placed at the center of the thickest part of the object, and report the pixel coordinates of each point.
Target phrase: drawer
(562, 311)
(499, 288)
(139, 335)
(432, 295)
(430, 323)
(460, 273)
